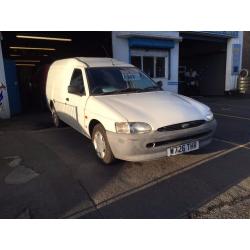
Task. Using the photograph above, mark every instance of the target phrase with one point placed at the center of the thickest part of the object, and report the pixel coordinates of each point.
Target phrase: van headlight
(132, 127)
(209, 116)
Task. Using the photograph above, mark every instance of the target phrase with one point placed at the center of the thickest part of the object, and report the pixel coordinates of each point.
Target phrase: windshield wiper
(152, 88)
(130, 90)
(127, 90)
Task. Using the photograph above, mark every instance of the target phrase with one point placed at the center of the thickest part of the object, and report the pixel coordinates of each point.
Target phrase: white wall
(231, 80)
(120, 47)
(174, 68)
(4, 108)
(152, 34)
(121, 50)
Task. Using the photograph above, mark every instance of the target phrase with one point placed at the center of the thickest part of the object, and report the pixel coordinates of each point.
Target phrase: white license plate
(183, 148)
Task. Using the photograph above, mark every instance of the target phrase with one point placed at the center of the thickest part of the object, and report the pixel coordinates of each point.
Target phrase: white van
(124, 112)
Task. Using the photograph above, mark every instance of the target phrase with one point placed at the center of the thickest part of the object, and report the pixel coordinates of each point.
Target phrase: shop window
(154, 66)
(148, 65)
(160, 67)
(136, 61)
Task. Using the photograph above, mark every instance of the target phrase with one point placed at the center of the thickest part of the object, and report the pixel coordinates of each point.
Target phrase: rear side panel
(57, 83)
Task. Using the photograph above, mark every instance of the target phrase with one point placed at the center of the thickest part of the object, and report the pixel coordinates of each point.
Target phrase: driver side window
(77, 80)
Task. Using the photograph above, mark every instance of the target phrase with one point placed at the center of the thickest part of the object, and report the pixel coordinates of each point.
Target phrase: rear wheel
(57, 122)
(101, 144)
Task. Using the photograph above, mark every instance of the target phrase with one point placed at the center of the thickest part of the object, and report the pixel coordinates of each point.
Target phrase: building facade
(156, 53)
(167, 56)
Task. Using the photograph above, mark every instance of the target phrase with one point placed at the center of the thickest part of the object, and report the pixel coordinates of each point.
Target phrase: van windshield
(118, 80)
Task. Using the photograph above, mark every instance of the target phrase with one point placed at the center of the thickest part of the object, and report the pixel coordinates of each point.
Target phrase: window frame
(155, 54)
(83, 82)
(142, 63)
(155, 63)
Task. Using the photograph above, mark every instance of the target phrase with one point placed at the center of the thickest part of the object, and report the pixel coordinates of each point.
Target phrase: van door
(75, 101)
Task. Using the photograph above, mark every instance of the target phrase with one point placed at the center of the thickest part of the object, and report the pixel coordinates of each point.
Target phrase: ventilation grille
(180, 139)
(183, 125)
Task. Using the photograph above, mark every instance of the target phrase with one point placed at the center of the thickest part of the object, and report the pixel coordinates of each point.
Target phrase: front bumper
(153, 145)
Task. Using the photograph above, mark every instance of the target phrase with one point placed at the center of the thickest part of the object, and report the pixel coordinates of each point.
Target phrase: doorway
(202, 66)
(33, 52)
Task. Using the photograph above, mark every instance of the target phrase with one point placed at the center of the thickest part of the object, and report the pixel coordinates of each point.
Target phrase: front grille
(189, 137)
(183, 125)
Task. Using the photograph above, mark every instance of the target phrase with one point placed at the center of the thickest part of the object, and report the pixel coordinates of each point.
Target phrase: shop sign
(223, 33)
(236, 58)
(2, 88)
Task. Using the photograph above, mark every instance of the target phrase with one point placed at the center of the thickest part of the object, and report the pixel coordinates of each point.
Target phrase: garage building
(215, 60)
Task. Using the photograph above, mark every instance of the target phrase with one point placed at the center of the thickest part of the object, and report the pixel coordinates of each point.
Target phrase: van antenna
(105, 51)
(107, 55)
(112, 62)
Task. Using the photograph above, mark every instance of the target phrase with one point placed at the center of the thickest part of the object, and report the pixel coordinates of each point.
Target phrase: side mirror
(78, 90)
(159, 84)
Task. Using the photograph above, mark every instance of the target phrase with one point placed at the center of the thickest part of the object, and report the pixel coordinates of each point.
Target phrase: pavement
(53, 173)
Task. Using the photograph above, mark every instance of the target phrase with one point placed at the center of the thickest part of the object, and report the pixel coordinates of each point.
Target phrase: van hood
(158, 108)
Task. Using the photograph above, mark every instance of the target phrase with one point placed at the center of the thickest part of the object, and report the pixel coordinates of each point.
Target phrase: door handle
(67, 99)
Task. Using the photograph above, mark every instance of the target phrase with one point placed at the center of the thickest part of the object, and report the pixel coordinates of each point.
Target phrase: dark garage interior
(28, 55)
(207, 57)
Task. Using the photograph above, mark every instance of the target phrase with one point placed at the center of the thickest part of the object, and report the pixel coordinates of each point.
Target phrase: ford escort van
(124, 112)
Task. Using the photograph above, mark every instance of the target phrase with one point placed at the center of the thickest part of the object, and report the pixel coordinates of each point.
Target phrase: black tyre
(244, 73)
(57, 122)
(245, 86)
(101, 144)
(247, 81)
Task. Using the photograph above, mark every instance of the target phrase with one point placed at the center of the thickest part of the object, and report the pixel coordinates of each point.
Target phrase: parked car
(124, 112)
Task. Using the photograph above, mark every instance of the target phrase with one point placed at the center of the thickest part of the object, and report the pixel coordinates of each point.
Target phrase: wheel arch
(92, 124)
(51, 104)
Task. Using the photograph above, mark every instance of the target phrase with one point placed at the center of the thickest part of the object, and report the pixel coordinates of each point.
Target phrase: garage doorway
(33, 52)
(202, 66)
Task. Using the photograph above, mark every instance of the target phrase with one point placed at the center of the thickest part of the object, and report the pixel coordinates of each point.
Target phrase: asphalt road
(70, 182)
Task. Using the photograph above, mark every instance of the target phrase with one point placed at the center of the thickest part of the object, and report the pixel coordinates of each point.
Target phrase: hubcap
(99, 144)
(54, 116)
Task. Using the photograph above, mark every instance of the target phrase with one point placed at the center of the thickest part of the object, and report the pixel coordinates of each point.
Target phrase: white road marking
(233, 116)
(233, 106)
(20, 175)
(233, 143)
(77, 214)
(14, 160)
(157, 181)
(11, 157)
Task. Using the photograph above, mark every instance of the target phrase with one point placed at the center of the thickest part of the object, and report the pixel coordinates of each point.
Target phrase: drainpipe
(4, 100)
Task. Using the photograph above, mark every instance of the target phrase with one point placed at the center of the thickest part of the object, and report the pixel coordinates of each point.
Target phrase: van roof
(94, 62)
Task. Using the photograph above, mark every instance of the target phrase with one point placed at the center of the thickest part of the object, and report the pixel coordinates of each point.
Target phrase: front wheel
(101, 144)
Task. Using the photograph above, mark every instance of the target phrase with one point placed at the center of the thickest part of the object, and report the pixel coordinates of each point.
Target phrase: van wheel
(57, 122)
(101, 144)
